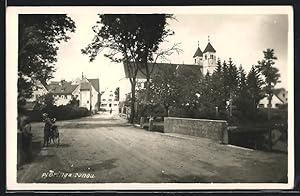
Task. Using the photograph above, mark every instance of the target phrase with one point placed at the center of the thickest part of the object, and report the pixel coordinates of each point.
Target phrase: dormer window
(212, 56)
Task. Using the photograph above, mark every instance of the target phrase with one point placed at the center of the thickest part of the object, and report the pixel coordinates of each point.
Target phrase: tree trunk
(269, 106)
(132, 104)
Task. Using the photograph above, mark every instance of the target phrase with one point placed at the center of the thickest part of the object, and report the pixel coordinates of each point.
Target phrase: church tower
(198, 58)
(209, 59)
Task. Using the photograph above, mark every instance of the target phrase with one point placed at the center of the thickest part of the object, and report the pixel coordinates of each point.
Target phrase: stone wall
(212, 129)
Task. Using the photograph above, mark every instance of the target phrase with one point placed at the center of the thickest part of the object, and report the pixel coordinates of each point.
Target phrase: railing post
(142, 121)
(151, 123)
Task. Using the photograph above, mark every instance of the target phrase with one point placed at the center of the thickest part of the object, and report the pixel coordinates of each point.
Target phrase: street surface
(106, 149)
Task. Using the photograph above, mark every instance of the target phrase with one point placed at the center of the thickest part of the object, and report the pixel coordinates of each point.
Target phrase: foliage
(74, 101)
(131, 39)
(46, 104)
(117, 94)
(254, 87)
(270, 74)
(172, 86)
(39, 36)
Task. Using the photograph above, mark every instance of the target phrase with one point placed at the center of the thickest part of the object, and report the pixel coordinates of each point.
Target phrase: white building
(279, 98)
(109, 101)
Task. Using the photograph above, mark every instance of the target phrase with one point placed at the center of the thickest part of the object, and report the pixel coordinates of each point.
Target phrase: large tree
(39, 37)
(242, 100)
(254, 88)
(270, 75)
(132, 39)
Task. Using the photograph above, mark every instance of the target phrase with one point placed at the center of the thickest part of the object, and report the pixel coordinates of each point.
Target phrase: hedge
(63, 112)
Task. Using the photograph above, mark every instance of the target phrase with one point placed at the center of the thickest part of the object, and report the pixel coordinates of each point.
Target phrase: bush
(66, 112)
(63, 112)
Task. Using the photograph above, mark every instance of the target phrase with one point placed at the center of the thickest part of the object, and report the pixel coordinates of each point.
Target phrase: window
(195, 60)
(87, 101)
(111, 95)
(110, 100)
(277, 105)
(283, 95)
(115, 104)
(110, 105)
(103, 105)
(261, 106)
(205, 56)
(103, 99)
(212, 56)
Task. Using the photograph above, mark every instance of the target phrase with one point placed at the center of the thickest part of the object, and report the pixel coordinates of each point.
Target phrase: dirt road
(105, 148)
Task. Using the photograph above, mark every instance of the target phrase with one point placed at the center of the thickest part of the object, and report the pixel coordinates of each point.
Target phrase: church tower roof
(209, 48)
(198, 52)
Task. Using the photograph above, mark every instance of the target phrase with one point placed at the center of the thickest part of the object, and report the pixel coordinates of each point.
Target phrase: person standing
(47, 129)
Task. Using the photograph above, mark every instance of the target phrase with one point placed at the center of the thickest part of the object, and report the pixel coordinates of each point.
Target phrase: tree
(163, 87)
(254, 86)
(242, 101)
(270, 74)
(74, 101)
(217, 85)
(117, 94)
(131, 39)
(39, 37)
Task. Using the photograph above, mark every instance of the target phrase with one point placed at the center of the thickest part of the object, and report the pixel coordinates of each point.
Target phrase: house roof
(209, 48)
(61, 88)
(198, 53)
(156, 69)
(277, 92)
(95, 83)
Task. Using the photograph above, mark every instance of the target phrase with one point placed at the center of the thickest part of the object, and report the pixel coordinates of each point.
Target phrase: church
(206, 59)
(203, 63)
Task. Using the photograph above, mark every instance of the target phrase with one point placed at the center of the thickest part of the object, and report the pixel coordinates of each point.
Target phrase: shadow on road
(107, 164)
(41, 158)
(91, 126)
(64, 145)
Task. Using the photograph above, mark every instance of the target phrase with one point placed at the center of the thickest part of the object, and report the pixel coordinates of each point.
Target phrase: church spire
(209, 47)
(198, 52)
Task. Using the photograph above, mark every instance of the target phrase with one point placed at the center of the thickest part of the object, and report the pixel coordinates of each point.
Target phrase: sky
(240, 37)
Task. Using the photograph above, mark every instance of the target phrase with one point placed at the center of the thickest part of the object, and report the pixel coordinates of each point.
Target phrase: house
(62, 91)
(280, 97)
(109, 100)
(86, 91)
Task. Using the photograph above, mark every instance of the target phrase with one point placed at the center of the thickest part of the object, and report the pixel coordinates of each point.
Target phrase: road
(106, 149)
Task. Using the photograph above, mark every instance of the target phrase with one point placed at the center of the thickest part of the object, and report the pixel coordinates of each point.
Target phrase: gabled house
(86, 91)
(280, 97)
(62, 91)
